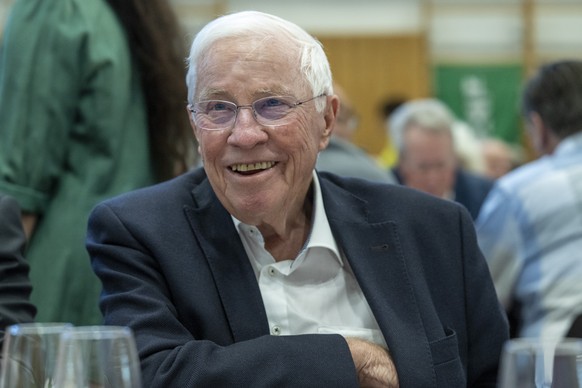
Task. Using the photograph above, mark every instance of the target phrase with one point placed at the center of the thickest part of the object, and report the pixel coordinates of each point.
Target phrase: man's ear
(193, 125)
(543, 139)
(331, 112)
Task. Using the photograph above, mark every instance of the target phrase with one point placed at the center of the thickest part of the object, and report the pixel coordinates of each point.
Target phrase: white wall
(479, 30)
(342, 17)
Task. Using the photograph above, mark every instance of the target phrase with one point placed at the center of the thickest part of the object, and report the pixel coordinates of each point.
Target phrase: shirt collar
(320, 235)
(569, 145)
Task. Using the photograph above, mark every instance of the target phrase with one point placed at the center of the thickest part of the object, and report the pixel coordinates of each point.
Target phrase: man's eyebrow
(212, 93)
(275, 91)
(216, 93)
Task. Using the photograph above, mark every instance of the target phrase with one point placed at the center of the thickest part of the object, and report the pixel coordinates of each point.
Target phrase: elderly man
(422, 132)
(257, 271)
(530, 227)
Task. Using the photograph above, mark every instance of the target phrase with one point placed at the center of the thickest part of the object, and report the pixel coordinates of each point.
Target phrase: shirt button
(276, 330)
(272, 271)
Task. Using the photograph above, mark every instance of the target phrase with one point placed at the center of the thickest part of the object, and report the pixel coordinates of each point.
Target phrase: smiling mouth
(251, 168)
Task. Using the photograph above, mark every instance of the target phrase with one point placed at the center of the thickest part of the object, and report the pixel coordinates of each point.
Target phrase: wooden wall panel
(374, 68)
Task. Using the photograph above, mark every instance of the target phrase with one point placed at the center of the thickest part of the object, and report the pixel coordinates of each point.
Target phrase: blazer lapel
(233, 274)
(376, 258)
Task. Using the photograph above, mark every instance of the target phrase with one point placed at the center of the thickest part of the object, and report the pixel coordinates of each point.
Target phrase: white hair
(429, 114)
(312, 59)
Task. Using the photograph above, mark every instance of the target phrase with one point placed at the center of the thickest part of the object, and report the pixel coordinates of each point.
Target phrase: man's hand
(373, 364)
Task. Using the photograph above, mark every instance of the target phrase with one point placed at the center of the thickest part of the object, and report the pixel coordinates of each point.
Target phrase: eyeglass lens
(217, 114)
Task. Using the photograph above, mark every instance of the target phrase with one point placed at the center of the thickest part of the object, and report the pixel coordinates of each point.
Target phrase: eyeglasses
(217, 115)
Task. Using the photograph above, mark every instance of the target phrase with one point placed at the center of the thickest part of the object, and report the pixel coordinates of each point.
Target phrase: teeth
(252, 166)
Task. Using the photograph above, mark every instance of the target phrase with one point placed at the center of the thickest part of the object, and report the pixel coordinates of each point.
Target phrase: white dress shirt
(317, 291)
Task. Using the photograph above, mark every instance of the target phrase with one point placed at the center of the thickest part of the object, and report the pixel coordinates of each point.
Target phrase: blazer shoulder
(155, 204)
(168, 191)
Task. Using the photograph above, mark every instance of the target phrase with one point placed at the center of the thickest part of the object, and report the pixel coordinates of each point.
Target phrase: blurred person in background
(15, 306)
(91, 105)
(342, 156)
(498, 157)
(388, 154)
(467, 148)
(422, 131)
(530, 226)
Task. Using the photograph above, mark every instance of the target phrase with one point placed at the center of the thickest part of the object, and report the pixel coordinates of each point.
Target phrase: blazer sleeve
(174, 350)
(15, 287)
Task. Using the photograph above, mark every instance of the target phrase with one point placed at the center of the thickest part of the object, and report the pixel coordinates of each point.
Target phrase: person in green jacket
(91, 105)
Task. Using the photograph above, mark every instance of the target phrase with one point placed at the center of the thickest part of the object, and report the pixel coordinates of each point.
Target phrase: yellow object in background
(387, 156)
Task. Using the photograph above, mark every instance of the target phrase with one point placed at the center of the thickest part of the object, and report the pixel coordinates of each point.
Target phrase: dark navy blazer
(174, 270)
(471, 191)
(15, 287)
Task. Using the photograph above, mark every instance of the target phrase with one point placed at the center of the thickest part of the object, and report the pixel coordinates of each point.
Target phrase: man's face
(278, 160)
(428, 162)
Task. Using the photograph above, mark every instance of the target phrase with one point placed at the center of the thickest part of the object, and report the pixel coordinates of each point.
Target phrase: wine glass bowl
(98, 356)
(29, 354)
(541, 363)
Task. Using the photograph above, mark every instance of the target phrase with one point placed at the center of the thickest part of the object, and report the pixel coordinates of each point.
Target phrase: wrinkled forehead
(256, 47)
(277, 57)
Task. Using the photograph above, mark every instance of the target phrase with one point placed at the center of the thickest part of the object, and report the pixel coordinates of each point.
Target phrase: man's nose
(245, 113)
(247, 132)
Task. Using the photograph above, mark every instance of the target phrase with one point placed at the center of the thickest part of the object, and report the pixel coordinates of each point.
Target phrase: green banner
(485, 97)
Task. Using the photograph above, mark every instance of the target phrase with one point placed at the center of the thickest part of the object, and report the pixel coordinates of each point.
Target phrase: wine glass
(29, 354)
(541, 363)
(98, 357)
